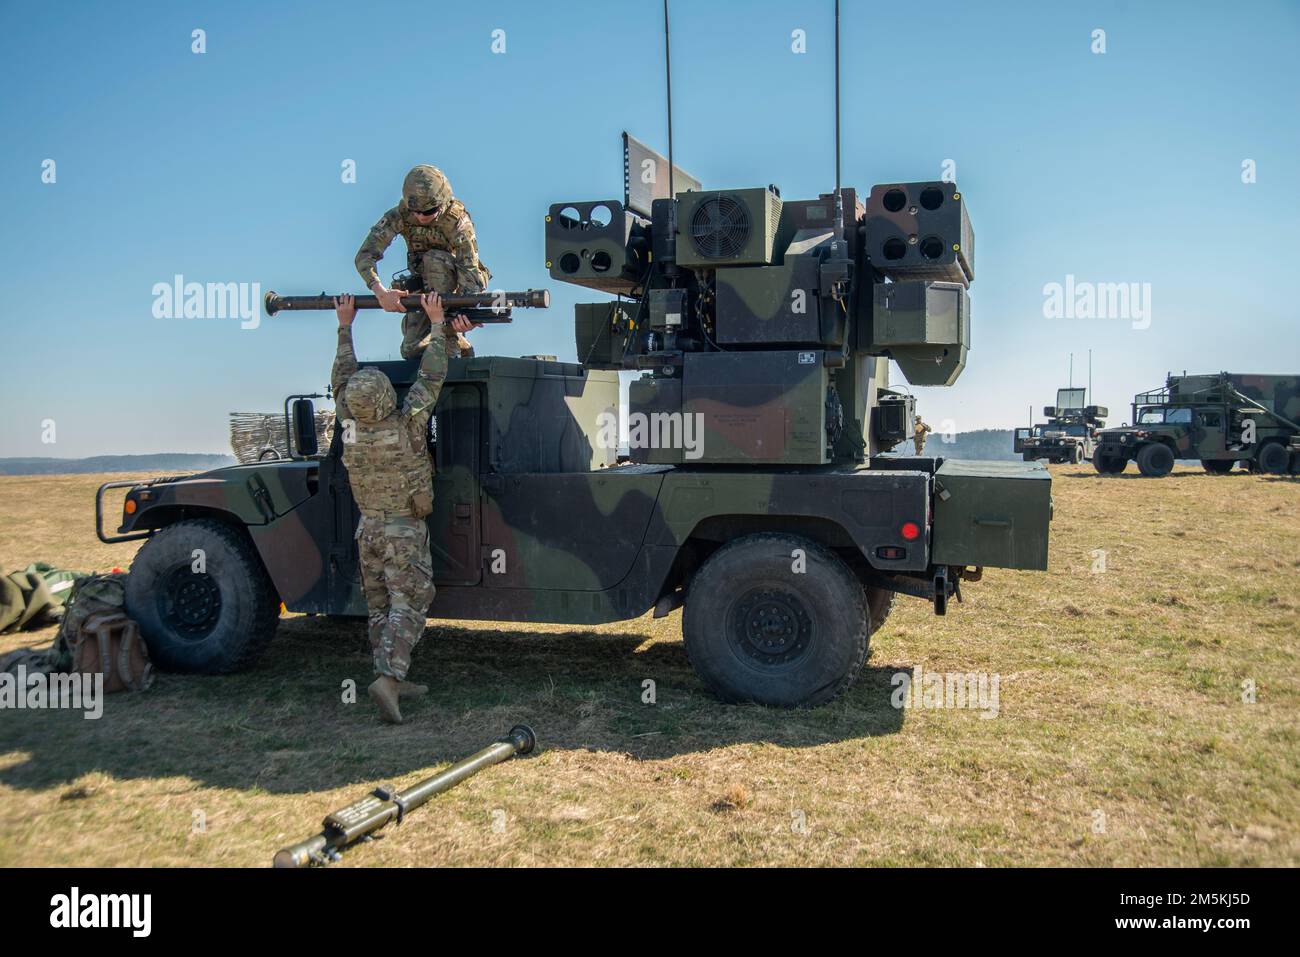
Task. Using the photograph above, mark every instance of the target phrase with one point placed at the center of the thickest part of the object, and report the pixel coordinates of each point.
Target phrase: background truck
(1222, 419)
(1070, 433)
(762, 328)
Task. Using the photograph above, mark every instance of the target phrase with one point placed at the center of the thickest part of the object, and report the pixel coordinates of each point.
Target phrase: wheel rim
(1273, 459)
(1156, 460)
(190, 603)
(770, 627)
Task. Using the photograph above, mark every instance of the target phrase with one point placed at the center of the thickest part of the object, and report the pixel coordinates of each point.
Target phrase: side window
(1179, 417)
(1211, 420)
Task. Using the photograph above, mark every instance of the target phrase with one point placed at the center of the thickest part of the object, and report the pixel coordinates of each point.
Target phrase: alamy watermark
(179, 299)
(1076, 299)
(973, 691)
(75, 909)
(39, 691)
(652, 430)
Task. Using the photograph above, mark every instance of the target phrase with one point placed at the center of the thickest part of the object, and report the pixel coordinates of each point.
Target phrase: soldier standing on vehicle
(441, 250)
(919, 429)
(385, 449)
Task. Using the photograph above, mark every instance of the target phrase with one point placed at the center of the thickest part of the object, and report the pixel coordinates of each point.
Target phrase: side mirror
(304, 428)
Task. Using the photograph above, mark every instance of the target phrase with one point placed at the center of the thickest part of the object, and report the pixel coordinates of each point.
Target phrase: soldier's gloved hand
(345, 307)
(421, 504)
(390, 299)
(431, 303)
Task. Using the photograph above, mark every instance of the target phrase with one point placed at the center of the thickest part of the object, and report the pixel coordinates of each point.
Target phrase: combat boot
(384, 690)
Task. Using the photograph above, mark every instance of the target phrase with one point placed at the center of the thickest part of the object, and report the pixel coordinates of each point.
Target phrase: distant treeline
(983, 444)
(162, 462)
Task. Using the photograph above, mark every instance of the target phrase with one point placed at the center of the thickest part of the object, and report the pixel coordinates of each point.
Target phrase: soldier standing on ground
(441, 250)
(385, 449)
(919, 429)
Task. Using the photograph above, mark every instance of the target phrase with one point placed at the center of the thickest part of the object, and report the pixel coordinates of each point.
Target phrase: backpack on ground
(97, 637)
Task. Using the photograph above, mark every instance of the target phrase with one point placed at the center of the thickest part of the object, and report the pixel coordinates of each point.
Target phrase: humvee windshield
(1162, 416)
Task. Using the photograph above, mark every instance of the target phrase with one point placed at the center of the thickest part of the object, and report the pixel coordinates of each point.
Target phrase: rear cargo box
(995, 514)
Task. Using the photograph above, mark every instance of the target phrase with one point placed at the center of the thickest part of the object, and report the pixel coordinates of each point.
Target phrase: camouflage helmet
(370, 396)
(424, 188)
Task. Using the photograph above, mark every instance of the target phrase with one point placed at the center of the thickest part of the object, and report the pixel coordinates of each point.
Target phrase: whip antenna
(839, 200)
(668, 79)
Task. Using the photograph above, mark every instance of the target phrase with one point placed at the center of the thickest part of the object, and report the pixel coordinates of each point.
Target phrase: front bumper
(99, 516)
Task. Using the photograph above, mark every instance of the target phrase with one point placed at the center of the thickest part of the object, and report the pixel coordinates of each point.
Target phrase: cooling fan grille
(720, 227)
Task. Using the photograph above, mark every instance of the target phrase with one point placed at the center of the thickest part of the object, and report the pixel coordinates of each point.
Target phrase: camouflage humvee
(1221, 419)
(1070, 434)
(753, 492)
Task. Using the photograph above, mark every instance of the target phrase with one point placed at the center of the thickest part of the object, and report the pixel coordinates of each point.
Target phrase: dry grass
(1120, 697)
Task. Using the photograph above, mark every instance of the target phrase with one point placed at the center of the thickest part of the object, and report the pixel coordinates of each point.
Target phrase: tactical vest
(437, 235)
(387, 464)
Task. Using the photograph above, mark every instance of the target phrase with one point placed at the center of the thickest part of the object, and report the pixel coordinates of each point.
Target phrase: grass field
(1122, 735)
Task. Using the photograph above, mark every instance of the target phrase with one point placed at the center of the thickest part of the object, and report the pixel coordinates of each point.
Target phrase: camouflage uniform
(392, 482)
(443, 254)
(918, 435)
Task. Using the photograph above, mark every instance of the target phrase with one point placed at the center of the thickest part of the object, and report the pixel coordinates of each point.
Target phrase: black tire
(1273, 458)
(1217, 466)
(880, 602)
(211, 622)
(1109, 464)
(1077, 456)
(1156, 460)
(807, 638)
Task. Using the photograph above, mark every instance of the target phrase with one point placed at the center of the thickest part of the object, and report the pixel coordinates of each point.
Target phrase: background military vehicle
(761, 323)
(1221, 419)
(1070, 433)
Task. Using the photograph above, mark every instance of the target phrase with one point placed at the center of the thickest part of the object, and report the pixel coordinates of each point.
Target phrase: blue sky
(225, 167)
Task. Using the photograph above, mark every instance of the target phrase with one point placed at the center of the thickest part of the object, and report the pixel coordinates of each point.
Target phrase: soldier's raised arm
(345, 357)
(372, 250)
(422, 396)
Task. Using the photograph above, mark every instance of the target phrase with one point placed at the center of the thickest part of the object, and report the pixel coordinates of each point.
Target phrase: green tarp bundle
(34, 596)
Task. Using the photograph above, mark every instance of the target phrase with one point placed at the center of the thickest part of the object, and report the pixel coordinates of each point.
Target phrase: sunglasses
(431, 211)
